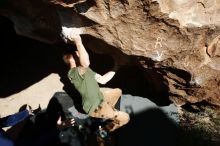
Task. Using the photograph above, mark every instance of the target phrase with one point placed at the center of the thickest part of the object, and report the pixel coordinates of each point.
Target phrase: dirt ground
(38, 93)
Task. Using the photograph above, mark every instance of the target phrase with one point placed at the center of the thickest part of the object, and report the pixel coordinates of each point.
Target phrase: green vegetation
(200, 126)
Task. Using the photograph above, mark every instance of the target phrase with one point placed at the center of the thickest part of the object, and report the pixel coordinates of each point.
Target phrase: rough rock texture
(175, 44)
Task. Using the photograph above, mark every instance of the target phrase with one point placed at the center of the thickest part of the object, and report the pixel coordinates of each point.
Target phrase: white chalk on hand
(67, 31)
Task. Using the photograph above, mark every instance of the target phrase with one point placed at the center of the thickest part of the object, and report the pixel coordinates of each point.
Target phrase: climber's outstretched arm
(103, 79)
(81, 51)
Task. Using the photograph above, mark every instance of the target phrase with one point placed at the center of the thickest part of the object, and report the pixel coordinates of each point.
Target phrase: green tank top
(87, 87)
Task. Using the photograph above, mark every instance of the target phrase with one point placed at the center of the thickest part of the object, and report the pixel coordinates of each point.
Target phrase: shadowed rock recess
(169, 50)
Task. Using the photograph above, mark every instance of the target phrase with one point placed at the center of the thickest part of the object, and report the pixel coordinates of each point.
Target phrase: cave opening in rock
(35, 60)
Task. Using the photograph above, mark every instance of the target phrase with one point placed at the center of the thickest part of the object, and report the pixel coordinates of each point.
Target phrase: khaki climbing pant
(106, 110)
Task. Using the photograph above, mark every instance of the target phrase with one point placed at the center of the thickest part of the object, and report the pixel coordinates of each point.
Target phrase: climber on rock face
(96, 102)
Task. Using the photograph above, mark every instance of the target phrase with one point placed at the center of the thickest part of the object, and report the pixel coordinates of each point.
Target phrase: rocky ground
(35, 95)
(201, 125)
